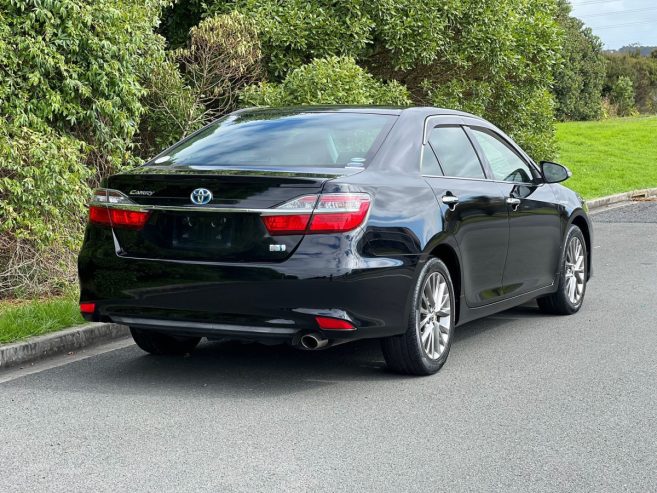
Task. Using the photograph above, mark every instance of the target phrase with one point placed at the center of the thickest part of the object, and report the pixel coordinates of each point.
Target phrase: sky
(619, 22)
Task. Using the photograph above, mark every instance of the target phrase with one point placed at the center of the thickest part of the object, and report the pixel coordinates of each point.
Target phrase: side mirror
(554, 172)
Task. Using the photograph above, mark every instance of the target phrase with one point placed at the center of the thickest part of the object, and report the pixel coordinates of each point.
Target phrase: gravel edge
(63, 341)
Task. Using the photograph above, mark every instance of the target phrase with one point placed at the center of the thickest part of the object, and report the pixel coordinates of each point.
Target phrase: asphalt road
(526, 402)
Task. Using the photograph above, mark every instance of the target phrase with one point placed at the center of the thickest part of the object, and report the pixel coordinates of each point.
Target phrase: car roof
(419, 111)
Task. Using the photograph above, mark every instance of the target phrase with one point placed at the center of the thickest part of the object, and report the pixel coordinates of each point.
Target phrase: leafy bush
(332, 80)
(470, 54)
(171, 107)
(222, 57)
(622, 96)
(73, 65)
(42, 197)
(578, 79)
(70, 105)
(642, 71)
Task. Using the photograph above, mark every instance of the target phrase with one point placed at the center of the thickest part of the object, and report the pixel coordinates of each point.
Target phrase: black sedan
(316, 226)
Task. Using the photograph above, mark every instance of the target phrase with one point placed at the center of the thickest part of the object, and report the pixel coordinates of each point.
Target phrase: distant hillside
(644, 50)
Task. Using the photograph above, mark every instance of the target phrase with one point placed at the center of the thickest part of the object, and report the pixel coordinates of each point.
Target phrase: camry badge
(201, 196)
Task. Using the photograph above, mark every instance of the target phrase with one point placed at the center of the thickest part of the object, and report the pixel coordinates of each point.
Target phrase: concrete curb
(63, 341)
(621, 197)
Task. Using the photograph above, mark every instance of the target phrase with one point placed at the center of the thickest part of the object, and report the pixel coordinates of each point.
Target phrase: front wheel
(163, 344)
(423, 348)
(572, 277)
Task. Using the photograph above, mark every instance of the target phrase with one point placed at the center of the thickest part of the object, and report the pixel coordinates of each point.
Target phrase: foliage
(332, 80)
(171, 108)
(70, 105)
(642, 71)
(295, 32)
(223, 56)
(471, 54)
(622, 96)
(191, 86)
(617, 161)
(578, 79)
(72, 65)
(42, 196)
(178, 18)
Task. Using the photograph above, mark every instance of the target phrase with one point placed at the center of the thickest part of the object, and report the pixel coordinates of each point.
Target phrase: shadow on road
(254, 370)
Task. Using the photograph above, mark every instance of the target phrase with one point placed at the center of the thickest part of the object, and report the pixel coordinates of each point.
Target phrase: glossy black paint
(499, 257)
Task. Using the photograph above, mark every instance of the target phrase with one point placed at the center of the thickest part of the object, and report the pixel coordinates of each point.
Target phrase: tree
(495, 57)
(622, 96)
(642, 71)
(332, 80)
(579, 78)
(70, 103)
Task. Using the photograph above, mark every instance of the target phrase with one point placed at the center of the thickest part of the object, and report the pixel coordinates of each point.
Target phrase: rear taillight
(100, 213)
(326, 213)
(118, 218)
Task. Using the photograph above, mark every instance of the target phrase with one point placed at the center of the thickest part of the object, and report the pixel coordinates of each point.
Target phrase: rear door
(534, 223)
(474, 208)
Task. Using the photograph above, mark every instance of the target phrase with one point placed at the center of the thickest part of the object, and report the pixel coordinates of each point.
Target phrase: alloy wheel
(434, 315)
(575, 275)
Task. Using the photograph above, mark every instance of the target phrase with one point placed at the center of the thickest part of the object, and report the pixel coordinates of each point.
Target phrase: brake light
(118, 218)
(326, 213)
(329, 323)
(87, 308)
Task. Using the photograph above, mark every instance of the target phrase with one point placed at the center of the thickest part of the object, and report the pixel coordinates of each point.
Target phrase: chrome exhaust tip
(313, 341)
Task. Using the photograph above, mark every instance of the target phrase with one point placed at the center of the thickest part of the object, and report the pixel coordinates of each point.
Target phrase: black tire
(559, 302)
(163, 344)
(405, 353)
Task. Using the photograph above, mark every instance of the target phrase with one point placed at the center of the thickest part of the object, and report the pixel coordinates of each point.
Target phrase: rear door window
(455, 153)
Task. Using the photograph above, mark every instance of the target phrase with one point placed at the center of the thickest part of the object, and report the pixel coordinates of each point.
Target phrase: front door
(534, 222)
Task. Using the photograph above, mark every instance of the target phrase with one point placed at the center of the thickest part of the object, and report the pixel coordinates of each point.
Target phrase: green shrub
(72, 65)
(43, 193)
(622, 96)
(642, 71)
(470, 54)
(579, 77)
(332, 80)
(70, 102)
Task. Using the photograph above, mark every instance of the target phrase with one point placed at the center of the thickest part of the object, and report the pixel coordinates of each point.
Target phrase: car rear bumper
(252, 301)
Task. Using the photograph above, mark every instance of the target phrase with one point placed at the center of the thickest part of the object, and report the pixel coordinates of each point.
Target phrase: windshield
(272, 139)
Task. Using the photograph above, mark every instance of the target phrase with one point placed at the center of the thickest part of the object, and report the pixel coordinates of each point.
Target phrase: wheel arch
(584, 225)
(449, 256)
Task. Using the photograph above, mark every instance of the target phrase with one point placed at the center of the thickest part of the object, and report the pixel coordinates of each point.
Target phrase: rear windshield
(333, 140)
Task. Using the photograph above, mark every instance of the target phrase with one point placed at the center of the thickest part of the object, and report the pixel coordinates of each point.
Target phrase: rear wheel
(572, 278)
(423, 348)
(163, 344)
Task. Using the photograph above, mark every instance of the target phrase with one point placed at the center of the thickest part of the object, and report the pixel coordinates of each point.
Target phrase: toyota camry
(316, 226)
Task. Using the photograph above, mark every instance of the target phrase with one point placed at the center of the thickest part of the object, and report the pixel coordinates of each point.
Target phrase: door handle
(513, 202)
(450, 200)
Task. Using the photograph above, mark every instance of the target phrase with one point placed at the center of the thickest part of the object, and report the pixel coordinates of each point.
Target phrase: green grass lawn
(609, 156)
(19, 320)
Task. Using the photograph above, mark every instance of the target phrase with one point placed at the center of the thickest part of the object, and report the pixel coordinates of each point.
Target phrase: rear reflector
(87, 308)
(331, 213)
(118, 218)
(329, 323)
